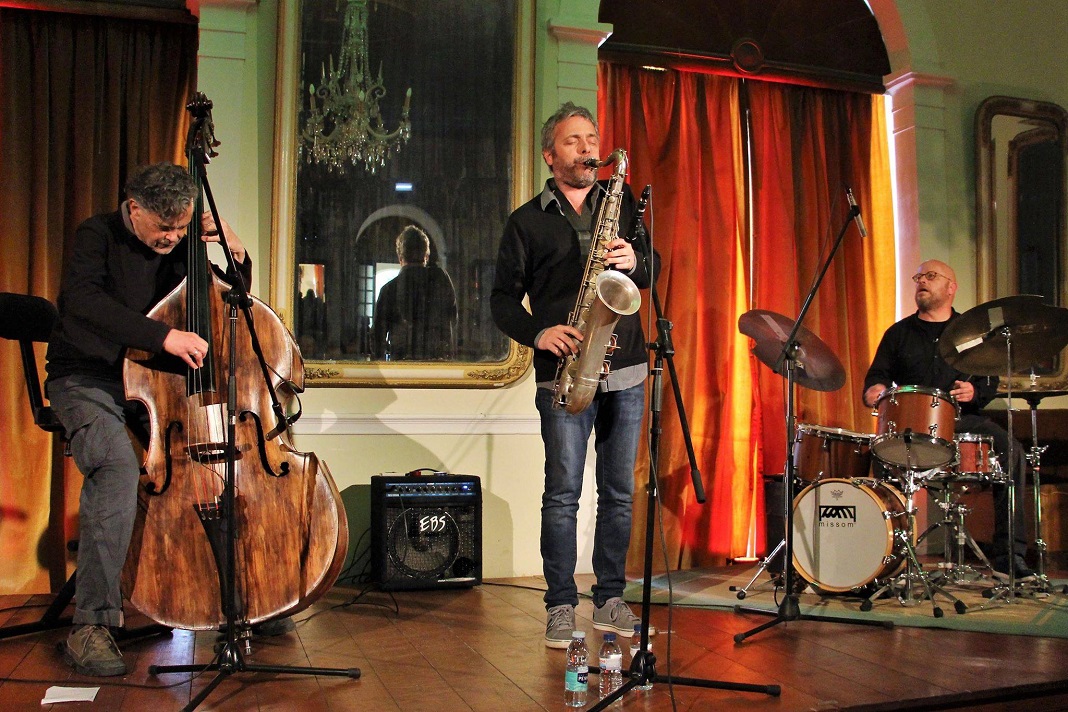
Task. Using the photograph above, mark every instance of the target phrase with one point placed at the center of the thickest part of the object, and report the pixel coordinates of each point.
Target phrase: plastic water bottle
(611, 658)
(576, 676)
(635, 648)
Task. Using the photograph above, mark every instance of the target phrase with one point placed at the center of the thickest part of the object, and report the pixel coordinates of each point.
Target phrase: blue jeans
(94, 413)
(616, 418)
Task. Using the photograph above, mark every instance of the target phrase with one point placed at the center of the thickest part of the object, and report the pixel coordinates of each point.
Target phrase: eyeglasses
(930, 276)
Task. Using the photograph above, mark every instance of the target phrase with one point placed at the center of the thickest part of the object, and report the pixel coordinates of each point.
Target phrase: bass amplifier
(426, 531)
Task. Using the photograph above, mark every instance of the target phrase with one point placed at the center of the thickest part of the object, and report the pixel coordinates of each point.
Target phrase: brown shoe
(92, 651)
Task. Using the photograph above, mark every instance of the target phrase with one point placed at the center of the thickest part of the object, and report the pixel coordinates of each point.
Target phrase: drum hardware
(1041, 584)
(977, 341)
(953, 567)
(903, 585)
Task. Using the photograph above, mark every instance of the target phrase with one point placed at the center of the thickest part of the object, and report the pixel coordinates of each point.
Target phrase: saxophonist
(543, 251)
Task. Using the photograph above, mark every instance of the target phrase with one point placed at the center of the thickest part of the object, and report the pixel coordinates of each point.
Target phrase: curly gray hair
(162, 188)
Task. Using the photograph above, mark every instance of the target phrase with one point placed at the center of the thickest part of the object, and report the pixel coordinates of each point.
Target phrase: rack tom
(916, 427)
(821, 452)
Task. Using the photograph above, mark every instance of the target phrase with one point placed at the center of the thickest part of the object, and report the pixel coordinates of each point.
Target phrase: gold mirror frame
(996, 181)
(408, 374)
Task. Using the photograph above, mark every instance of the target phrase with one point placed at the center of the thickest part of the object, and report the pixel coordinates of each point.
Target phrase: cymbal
(817, 366)
(1028, 394)
(975, 342)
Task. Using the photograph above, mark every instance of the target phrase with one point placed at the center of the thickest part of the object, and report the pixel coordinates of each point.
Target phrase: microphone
(638, 223)
(856, 212)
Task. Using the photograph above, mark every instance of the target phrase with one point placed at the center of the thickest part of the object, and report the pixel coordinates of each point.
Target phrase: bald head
(936, 285)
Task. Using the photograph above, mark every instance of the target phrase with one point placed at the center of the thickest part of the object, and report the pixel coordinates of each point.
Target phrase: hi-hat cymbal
(817, 366)
(976, 342)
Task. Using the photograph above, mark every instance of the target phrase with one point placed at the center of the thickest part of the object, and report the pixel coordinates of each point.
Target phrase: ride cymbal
(817, 366)
(976, 342)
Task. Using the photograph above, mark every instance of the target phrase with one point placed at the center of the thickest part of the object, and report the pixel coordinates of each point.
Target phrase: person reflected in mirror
(121, 264)
(415, 315)
(908, 355)
(542, 257)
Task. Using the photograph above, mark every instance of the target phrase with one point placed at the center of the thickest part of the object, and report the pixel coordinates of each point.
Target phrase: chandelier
(344, 120)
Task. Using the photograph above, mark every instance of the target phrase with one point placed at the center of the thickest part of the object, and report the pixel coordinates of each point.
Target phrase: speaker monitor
(426, 531)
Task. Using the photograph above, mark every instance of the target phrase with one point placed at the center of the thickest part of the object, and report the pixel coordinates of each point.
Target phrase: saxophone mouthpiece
(592, 163)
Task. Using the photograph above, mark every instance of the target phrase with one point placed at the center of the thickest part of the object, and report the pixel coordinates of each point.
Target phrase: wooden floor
(481, 649)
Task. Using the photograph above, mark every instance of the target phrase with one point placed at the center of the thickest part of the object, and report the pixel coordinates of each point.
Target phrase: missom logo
(837, 515)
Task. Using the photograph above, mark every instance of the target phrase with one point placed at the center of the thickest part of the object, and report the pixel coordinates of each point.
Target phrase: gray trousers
(94, 413)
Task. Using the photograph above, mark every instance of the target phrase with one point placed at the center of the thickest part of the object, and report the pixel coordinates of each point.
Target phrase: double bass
(206, 428)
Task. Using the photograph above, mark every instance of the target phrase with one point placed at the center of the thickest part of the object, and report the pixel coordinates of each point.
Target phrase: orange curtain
(809, 145)
(84, 99)
(684, 134)
(682, 131)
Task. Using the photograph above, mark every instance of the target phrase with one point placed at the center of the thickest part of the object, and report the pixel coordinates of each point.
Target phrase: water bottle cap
(609, 636)
(578, 634)
(637, 627)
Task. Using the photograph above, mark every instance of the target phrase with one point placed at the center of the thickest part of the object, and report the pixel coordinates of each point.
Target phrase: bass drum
(845, 533)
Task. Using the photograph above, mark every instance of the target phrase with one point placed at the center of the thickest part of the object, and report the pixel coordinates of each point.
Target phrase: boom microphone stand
(643, 666)
(789, 358)
(220, 522)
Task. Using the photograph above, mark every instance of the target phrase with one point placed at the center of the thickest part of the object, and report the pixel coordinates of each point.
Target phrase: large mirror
(403, 143)
(1022, 210)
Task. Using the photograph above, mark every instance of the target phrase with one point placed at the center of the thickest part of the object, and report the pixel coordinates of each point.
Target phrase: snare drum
(976, 462)
(915, 428)
(821, 452)
(845, 533)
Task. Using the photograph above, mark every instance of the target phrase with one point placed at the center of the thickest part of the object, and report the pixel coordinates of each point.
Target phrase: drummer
(908, 356)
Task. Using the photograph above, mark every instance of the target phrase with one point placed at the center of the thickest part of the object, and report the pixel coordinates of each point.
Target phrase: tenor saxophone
(604, 297)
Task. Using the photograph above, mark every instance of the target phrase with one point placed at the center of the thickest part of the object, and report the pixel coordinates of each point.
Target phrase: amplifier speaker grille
(426, 531)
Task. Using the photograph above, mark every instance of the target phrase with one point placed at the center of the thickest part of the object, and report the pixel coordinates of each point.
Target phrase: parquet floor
(481, 649)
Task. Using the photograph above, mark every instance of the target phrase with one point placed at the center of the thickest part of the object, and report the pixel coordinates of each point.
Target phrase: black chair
(29, 320)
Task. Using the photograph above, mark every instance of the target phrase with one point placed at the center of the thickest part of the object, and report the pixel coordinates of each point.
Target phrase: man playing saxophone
(542, 256)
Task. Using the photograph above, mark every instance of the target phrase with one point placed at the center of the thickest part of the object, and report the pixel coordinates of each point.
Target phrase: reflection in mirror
(453, 182)
(1022, 210)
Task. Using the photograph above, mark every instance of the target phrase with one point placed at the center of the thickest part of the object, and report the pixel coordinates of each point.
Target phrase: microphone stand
(789, 610)
(643, 666)
(220, 519)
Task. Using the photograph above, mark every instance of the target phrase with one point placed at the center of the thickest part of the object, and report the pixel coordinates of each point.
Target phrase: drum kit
(853, 520)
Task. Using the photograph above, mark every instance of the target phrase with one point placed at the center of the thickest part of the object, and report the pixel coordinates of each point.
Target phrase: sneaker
(91, 650)
(1023, 572)
(559, 627)
(615, 616)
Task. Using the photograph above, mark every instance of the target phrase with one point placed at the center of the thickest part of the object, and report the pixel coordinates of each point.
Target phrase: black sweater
(540, 257)
(111, 280)
(908, 356)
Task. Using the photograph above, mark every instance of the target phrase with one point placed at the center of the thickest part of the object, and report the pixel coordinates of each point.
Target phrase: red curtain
(684, 134)
(85, 99)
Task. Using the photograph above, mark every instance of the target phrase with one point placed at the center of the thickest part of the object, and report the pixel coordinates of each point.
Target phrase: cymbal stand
(1041, 584)
(1007, 591)
(905, 582)
(776, 577)
(954, 569)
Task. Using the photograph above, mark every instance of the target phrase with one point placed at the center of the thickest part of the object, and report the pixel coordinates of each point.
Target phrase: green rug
(710, 588)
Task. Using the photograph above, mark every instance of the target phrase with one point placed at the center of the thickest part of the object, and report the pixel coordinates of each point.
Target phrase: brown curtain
(684, 134)
(84, 100)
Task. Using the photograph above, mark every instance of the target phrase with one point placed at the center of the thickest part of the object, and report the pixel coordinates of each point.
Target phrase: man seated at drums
(908, 356)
